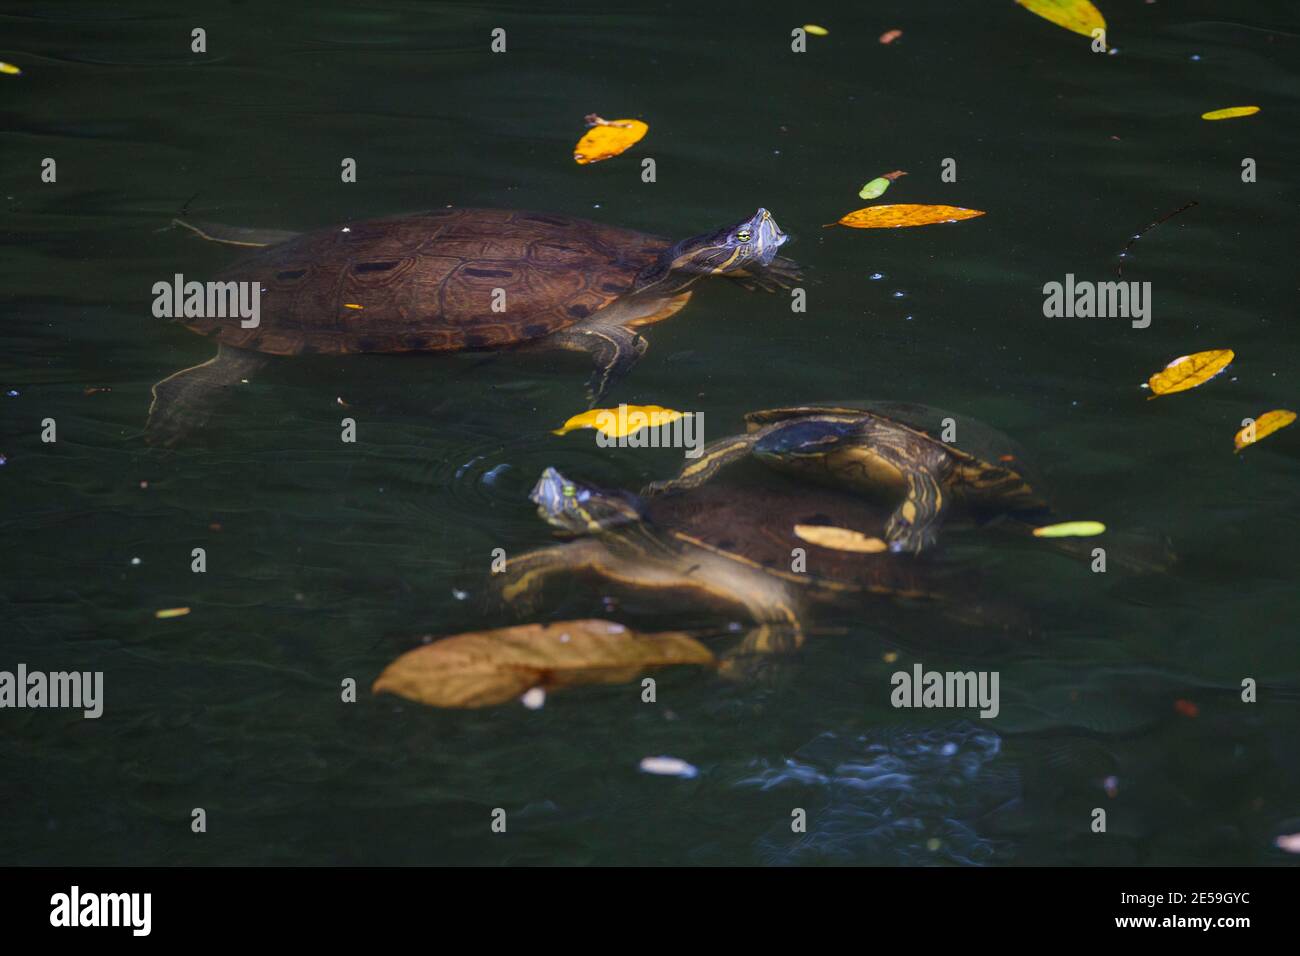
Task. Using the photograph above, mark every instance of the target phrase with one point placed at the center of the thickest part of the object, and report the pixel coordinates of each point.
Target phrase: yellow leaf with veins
(1263, 426)
(1188, 371)
(903, 214)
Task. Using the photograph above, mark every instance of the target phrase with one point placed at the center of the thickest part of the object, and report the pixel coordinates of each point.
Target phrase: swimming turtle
(923, 456)
(730, 544)
(455, 280)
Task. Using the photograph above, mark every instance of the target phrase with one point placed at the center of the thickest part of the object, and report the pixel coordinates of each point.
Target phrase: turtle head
(577, 508)
(749, 244)
(802, 440)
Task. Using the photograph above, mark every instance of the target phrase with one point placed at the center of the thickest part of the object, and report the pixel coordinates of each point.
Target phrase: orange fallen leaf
(1262, 427)
(889, 36)
(1189, 371)
(903, 214)
(840, 539)
(1077, 16)
(1186, 708)
(482, 668)
(607, 138)
(170, 612)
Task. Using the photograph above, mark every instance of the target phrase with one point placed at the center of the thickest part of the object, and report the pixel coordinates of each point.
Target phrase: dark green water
(333, 558)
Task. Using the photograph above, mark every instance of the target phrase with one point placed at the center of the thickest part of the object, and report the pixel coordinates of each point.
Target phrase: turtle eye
(743, 235)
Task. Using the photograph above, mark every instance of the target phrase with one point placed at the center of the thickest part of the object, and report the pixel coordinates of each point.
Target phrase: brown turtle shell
(425, 282)
(750, 517)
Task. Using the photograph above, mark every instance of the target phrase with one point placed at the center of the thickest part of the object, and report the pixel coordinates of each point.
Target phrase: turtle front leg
(914, 525)
(614, 348)
(524, 580)
(713, 458)
(780, 273)
(778, 630)
(184, 400)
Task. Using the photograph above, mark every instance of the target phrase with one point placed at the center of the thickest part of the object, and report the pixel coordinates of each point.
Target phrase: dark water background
(335, 558)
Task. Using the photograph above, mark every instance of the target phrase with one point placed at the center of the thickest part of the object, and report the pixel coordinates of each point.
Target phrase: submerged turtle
(460, 279)
(727, 545)
(892, 450)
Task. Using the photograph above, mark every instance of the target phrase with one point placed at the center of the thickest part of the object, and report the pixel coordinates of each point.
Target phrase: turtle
(454, 280)
(892, 450)
(731, 544)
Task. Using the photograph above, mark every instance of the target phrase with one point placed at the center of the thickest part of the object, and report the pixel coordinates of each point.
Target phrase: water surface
(332, 558)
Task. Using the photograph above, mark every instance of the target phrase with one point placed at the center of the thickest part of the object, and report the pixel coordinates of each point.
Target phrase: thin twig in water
(1119, 267)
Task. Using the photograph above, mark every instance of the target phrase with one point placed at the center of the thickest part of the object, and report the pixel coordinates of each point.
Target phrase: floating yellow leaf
(621, 421)
(352, 305)
(1071, 529)
(1188, 371)
(903, 214)
(1262, 427)
(815, 30)
(1077, 16)
(841, 539)
(167, 612)
(482, 668)
(10, 69)
(1232, 112)
(607, 138)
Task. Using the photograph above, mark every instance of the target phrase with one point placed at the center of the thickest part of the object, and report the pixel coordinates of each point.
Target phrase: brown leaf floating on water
(483, 668)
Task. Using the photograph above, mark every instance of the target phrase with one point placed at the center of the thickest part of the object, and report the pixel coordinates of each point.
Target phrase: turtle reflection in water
(456, 280)
(729, 545)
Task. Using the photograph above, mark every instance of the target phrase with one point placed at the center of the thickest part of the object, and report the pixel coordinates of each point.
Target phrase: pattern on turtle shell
(426, 282)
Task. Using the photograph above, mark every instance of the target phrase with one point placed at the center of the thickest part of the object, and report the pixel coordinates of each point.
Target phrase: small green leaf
(875, 188)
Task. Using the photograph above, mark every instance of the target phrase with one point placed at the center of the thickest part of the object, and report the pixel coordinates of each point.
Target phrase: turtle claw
(907, 538)
(780, 274)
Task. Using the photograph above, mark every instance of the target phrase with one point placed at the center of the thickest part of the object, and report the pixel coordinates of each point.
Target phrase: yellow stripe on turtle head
(735, 254)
